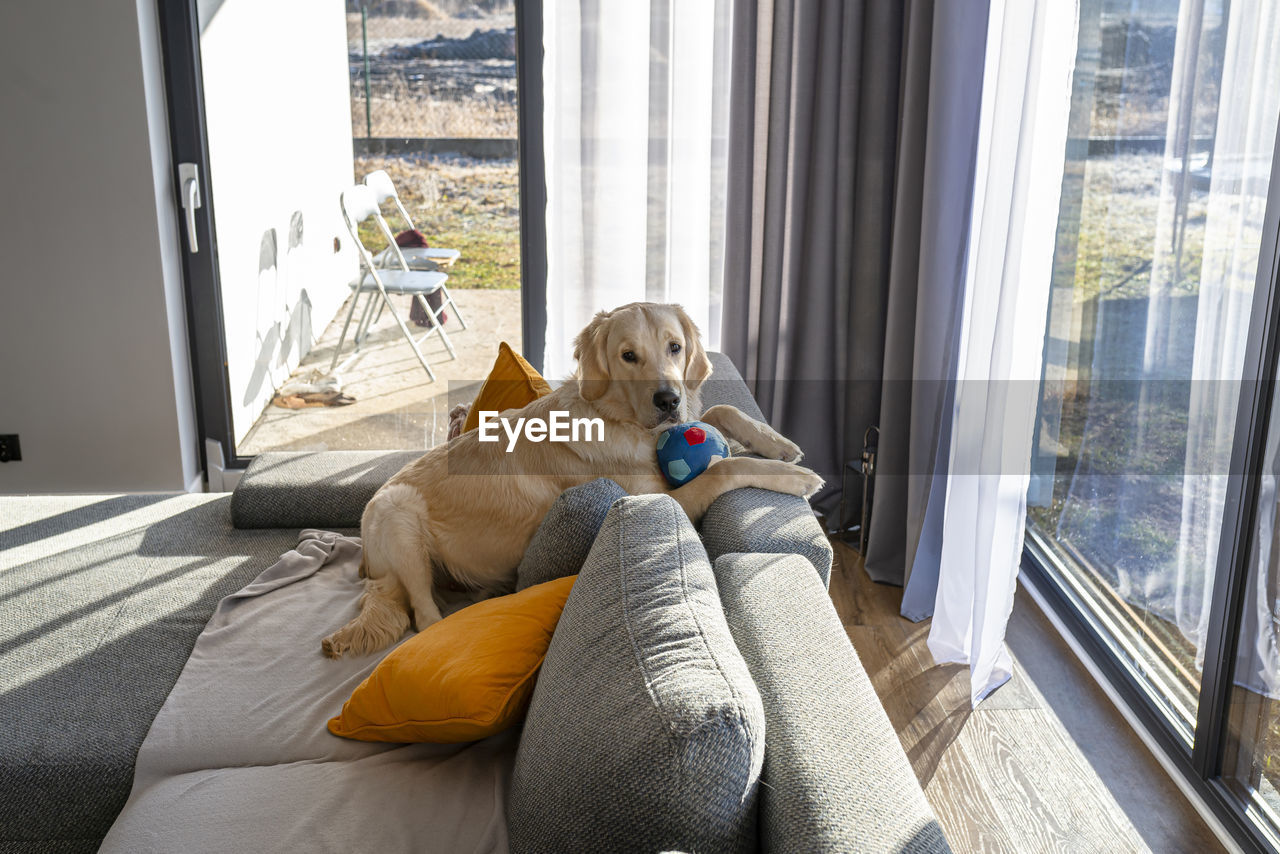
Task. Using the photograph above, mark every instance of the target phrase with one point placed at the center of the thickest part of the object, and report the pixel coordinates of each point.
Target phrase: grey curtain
(853, 131)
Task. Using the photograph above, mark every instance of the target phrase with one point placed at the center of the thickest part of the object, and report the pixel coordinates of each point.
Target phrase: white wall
(278, 108)
(93, 372)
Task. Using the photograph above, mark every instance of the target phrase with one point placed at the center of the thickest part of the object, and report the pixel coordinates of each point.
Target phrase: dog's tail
(383, 617)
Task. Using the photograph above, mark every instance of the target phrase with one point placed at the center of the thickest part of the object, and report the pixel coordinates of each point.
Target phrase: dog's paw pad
(332, 648)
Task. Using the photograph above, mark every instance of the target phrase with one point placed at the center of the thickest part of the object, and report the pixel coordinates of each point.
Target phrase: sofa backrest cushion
(326, 489)
(835, 776)
(560, 545)
(760, 520)
(726, 386)
(645, 732)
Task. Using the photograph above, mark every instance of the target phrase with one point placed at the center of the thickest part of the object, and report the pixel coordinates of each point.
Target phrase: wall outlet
(10, 450)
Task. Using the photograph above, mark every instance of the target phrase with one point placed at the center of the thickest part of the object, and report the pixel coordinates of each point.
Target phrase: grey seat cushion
(563, 540)
(645, 732)
(104, 597)
(760, 520)
(312, 490)
(835, 776)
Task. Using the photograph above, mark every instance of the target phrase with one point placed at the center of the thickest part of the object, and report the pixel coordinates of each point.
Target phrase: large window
(1149, 358)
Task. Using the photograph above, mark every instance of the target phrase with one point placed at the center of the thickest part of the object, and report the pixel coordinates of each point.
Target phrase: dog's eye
(629, 356)
(674, 348)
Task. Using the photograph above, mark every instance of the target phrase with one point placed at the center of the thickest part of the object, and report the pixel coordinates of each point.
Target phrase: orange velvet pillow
(512, 383)
(467, 677)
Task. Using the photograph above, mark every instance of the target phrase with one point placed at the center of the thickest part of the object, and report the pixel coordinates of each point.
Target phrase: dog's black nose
(666, 400)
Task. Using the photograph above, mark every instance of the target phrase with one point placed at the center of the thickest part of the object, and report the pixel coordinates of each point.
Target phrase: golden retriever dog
(466, 511)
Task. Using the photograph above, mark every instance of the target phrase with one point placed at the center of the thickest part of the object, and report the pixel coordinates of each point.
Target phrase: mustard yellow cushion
(464, 678)
(511, 384)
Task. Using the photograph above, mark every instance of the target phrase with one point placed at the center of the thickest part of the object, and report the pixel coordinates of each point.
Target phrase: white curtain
(636, 100)
(1238, 169)
(1258, 665)
(1031, 47)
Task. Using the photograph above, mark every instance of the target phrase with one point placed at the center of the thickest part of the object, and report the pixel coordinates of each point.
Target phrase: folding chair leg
(436, 326)
(367, 319)
(409, 336)
(355, 298)
(457, 312)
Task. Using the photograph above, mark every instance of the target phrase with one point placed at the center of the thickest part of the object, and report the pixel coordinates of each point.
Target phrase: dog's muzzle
(667, 402)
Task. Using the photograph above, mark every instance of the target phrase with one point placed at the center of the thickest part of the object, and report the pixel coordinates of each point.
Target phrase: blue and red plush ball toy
(685, 451)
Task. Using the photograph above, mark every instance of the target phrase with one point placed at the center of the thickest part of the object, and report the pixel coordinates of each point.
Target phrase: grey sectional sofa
(102, 599)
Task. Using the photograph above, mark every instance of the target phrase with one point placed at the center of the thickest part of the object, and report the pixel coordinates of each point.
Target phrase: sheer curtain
(636, 99)
(1239, 168)
(1021, 145)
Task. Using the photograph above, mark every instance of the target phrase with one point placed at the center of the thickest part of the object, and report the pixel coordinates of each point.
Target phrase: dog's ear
(697, 367)
(593, 362)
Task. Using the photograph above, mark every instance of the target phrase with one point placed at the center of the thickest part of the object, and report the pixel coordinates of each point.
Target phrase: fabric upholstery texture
(835, 777)
(560, 545)
(511, 384)
(645, 732)
(760, 520)
(104, 597)
(466, 677)
(328, 489)
(725, 386)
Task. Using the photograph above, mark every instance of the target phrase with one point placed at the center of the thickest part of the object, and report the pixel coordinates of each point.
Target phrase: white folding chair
(417, 257)
(358, 204)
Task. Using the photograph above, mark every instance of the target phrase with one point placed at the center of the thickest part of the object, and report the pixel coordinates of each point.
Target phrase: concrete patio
(397, 406)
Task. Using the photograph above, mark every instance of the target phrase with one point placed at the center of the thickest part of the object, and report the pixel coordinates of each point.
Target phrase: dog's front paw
(807, 482)
(772, 445)
(792, 479)
(786, 450)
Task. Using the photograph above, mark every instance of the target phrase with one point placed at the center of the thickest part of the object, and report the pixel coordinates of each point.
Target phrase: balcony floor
(397, 406)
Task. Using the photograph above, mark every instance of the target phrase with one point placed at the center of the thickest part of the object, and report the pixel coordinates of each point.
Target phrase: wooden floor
(1045, 763)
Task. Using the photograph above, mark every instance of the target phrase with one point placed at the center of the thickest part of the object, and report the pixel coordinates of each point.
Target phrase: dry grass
(469, 205)
(426, 97)
(1119, 212)
(402, 110)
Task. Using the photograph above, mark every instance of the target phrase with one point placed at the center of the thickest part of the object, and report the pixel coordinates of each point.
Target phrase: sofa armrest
(764, 521)
(835, 776)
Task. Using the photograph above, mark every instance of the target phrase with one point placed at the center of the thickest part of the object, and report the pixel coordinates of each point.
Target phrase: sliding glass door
(1153, 347)
(276, 109)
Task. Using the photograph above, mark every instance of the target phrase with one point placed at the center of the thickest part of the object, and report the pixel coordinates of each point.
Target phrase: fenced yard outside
(433, 70)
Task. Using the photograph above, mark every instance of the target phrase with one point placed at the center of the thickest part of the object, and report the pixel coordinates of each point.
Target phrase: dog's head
(643, 362)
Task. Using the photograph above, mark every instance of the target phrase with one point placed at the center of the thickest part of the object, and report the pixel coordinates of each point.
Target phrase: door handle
(189, 181)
